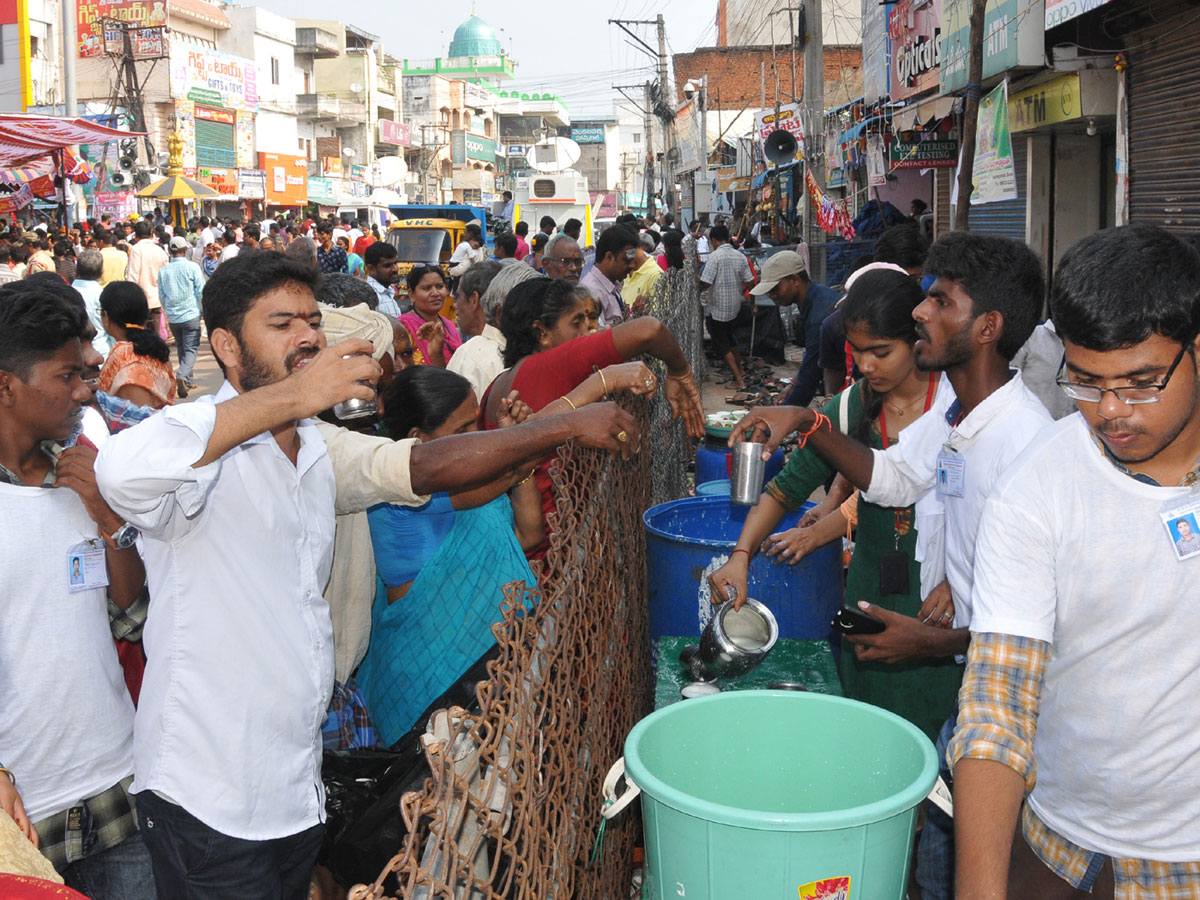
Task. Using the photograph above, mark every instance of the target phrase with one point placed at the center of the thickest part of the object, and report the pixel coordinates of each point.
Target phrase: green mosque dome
(475, 37)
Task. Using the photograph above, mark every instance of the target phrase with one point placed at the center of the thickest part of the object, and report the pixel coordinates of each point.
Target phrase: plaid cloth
(725, 272)
(92, 826)
(121, 414)
(348, 725)
(127, 624)
(997, 720)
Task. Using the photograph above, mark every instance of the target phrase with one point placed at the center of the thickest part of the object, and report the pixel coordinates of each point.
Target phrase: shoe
(181, 388)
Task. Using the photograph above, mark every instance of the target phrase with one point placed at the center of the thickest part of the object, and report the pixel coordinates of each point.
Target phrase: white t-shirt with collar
(1073, 552)
(987, 441)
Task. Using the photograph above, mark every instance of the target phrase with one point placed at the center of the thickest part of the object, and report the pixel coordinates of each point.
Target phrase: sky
(570, 49)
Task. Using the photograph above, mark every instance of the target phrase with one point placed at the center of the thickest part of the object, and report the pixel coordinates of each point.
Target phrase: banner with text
(91, 13)
(213, 77)
(994, 177)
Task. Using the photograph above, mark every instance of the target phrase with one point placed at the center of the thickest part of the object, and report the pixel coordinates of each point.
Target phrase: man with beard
(235, 497)
(979, 311)
(1079, 694)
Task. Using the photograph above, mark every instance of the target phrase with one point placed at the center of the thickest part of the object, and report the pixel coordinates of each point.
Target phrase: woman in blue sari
(442, 566)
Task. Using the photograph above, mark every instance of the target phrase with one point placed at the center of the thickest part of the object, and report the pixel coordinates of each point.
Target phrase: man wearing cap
(180, 284)
(785, 280)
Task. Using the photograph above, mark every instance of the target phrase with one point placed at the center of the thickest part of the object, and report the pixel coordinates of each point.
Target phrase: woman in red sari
(550, 355)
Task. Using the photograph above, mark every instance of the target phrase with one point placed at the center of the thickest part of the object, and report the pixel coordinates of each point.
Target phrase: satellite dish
(356, 88)
(553, 154)
(391, 170)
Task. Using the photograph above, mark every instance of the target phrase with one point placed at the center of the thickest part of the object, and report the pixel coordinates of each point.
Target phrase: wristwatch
(123, 538)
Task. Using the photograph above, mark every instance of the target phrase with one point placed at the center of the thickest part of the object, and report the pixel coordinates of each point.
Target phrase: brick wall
(735, 75)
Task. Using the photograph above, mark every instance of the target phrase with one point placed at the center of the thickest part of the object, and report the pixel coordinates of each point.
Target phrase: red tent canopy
(24, 137)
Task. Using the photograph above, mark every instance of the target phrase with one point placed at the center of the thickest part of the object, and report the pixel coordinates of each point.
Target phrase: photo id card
(1182, 527)
(951, 474)
(86, 567)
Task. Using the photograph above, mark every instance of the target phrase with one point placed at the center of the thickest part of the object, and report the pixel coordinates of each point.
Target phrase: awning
(25, 137)
(77, 170)
(761, 178)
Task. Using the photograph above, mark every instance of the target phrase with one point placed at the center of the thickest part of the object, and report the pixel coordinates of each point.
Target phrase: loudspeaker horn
(780, 147)
(127, 163)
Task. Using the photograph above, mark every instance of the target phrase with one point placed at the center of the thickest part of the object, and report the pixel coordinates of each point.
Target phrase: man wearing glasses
(1079, 701)
(616, 250)
(563, 258)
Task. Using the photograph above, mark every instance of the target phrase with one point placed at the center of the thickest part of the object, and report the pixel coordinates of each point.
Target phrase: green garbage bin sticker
(826, 889)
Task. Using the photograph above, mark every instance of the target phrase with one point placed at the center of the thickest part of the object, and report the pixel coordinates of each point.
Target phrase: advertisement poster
(914, 28)
(143, 13)
(876, 51)
(185, 124)
(995, 177)
(212, 77)
(252, 184)
(876, 161)
(246, 157)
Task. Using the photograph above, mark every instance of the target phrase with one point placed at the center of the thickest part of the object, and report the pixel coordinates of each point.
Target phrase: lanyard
(928, 403)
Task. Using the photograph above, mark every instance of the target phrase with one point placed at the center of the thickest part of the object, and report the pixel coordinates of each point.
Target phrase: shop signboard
(322, 191)
(1059, 11)
(1013, 37)
(223, 181)
(287, 178)
(914, 29)
(118, 204)
(876, 51)
(908, 151)
(1046, 104)
(480, 148)
(90, 14)
(252, 184)
(331, 166)
(148, 43)
(995, 176)
(458, 147)
(588, 134)
(213, 77)
(395, 133)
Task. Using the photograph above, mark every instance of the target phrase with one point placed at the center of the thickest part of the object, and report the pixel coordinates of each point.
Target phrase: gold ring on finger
(622, 436)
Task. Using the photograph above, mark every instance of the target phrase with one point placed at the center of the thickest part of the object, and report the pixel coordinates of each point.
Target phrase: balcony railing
(317, 42)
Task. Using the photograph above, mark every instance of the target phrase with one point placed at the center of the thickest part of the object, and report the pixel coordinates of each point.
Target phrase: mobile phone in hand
(849, 620)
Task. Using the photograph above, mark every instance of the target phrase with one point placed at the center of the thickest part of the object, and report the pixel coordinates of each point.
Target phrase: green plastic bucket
(756, 795)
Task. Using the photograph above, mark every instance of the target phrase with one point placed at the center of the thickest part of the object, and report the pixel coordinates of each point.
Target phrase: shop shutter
(216, 145)
(1006, 218)
(1164, 180)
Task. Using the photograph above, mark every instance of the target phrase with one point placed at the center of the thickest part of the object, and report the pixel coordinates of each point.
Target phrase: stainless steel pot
(734, 642)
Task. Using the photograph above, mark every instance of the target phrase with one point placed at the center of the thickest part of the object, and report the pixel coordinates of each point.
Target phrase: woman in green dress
(891, 394)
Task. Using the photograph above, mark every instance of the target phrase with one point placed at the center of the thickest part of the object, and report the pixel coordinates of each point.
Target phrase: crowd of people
(181, 754)
(1020, 491)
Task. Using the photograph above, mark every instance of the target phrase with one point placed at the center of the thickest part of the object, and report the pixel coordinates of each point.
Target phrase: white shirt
(341, 233)
(387, 300)
(986, 441)
(480, 359)
(239, 640)
(67, 722)
(1073, 552)
(90, 290)
(207, 236)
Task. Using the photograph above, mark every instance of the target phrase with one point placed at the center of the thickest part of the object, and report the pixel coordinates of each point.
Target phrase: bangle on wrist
(603, 383)
(527, 477)
(11, 776)
(569, 403)
(741, 550)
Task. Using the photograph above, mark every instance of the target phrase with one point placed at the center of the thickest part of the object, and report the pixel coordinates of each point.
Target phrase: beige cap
(358, 322)
(777, 267)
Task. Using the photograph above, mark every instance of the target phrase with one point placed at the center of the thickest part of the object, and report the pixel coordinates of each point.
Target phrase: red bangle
(741, 550)
(818, 422)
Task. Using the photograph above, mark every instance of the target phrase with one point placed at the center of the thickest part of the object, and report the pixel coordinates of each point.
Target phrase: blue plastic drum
(712, 462)
(686, 540)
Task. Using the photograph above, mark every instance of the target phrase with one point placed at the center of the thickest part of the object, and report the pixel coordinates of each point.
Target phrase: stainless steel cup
(354, 408)
(746, 479)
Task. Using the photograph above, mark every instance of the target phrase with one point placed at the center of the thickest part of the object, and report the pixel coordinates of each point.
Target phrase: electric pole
(665, 98)
(814, 103)
(647, 108)
(966, 168)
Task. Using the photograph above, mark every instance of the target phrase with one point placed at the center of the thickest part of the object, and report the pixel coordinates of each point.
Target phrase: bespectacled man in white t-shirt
(1079, 723)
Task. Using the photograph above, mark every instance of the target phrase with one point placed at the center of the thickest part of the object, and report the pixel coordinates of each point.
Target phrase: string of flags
(833, 217)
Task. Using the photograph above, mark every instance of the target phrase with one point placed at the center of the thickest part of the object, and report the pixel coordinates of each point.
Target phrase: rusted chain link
(513, 800)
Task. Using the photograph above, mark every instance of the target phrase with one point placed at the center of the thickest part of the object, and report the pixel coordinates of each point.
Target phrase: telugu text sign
(210, 76)
(91, 13)
(788, 120)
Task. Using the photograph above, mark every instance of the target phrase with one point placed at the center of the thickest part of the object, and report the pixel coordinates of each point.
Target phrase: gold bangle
(11, 776)
(568, 399)
(526, 478)
(602, 381)
(687, 374)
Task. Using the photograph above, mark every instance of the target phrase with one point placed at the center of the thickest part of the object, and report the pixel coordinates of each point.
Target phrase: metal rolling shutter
(1164, 180)
(1007, 217)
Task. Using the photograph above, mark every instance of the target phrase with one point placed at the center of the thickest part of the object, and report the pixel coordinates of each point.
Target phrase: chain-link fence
(676, 303)
(512, 805)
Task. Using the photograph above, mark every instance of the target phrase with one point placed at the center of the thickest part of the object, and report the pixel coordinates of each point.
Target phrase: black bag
(363, 826)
